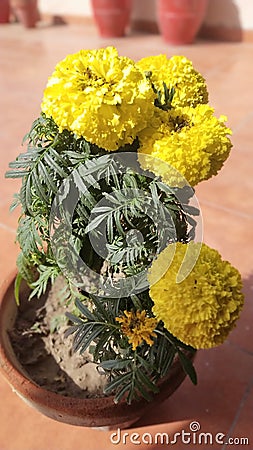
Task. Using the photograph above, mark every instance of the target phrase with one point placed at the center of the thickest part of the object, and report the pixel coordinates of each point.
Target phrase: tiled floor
(223, 400)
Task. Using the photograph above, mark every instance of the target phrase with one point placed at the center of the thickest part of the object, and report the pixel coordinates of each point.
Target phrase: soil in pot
(46, 355)
(65, 386)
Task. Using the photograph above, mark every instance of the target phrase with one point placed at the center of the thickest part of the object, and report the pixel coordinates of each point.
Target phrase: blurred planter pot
(180, 20)
(26, 11)
(112, 16)
(4, 11)
(88, 412)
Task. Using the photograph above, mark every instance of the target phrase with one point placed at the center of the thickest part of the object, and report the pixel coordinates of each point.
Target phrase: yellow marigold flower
(202, 309)
(137, 327)
(178, 72)
(192, 140)
(100, 96)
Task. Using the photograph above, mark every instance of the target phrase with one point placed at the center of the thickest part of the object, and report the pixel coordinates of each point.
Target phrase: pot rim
(93, 411)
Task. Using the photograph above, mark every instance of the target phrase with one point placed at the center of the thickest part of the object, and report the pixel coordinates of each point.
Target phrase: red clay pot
(180, 20)
(112, 16)
(26, 11)
(4, 11)
(97, 412)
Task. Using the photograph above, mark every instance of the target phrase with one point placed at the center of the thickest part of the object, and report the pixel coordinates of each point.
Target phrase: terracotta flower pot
(4, 11)
(26, 11)
(112, 16)
(90, 412)
(180, 20)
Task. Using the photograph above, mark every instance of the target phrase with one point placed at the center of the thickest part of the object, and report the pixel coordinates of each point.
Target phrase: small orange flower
(137, 327)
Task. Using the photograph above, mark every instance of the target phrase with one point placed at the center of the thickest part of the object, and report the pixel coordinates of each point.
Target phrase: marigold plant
(192, 140)
(203, 308)
(107, 202)
(177, 73)
(100, 96)
(137, 327)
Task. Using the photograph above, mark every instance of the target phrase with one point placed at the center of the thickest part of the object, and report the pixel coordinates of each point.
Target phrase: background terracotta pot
(26, 11)
(180, 20)
(112, 16)
(4, 11)
(97, 412)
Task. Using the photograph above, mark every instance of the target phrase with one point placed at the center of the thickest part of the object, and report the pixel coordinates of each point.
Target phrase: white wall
(145, 9)
(228, 13)
(68, 7)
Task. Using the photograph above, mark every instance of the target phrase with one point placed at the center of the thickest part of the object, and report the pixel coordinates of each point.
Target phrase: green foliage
(132, 374)
(99, 322)
(164, 98)
(133, 384)
(44, 165)
(46, 274)
(122, 219)
(50, 157)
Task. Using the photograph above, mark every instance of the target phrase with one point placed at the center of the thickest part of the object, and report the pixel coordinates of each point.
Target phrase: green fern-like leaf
(47, 274)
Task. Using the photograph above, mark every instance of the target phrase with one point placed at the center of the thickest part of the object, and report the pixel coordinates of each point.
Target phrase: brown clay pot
(26, 11)
(112, 16)
(4, 11)
(97, 412)
(180, 20)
